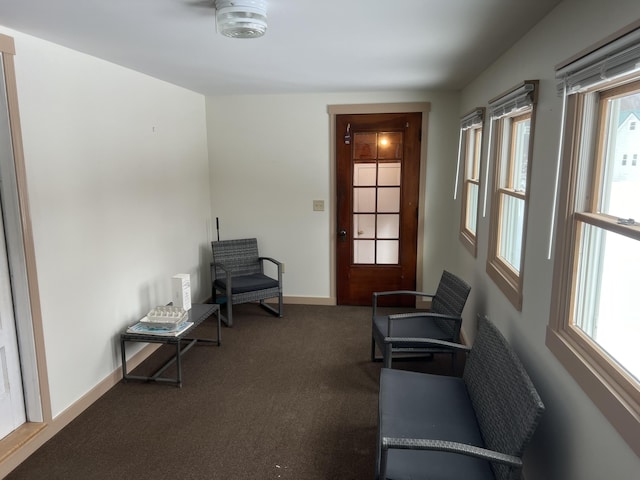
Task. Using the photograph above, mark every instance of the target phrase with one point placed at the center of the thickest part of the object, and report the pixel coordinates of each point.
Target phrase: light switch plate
(318, 205)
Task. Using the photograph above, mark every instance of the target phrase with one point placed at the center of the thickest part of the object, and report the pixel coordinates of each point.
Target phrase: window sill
(509, 284)
(622, 411)
(470, 243)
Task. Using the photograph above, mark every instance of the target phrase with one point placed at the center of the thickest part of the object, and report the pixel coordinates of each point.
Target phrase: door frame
(373, 108)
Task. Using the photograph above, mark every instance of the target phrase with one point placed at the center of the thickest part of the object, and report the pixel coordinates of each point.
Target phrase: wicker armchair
(442, 322)
(237, 274)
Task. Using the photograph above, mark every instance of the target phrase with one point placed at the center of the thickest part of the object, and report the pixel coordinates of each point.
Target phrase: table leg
(179, 364)
(124, 360)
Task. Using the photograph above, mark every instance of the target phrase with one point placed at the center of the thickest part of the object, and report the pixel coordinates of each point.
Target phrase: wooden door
(378, 172)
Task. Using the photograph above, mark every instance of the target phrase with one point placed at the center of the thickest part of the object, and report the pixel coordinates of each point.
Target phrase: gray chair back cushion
(240, 256)
(450, 299)
(507, 405)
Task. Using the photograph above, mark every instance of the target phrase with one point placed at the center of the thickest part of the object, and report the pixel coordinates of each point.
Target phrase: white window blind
(472, 119)
(520, 97)
(614, 59)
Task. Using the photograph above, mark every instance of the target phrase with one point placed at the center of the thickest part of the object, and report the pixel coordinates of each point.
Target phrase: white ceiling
(310, 45)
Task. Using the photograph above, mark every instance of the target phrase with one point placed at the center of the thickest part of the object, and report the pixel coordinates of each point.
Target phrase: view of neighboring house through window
(594, 321)
(512, 116)
(471, 151)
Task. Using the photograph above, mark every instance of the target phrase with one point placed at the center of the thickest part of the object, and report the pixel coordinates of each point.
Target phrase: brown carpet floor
(282, 398)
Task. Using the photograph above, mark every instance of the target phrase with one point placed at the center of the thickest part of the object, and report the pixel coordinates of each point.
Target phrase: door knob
(342, 234)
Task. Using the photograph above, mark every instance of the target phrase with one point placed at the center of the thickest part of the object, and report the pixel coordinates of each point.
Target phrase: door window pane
(364, 174)
(364, 226)
(388, 226)
(389, 199)
(389, 145)
(364, 199)
(389, 174)
(387, 252)
(364, 251)
(365, 145)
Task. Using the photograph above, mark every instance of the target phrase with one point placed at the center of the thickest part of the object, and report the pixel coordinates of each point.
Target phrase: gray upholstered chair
(237, 274)
(442, 322)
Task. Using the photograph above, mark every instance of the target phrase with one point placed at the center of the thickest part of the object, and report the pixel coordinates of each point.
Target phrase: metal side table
(197, 314)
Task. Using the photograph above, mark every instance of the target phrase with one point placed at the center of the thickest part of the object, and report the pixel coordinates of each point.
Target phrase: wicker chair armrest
(396, 292)
(426, 342)
(272, 260)
(226, 271)
(400, 316)
(453, 447)
(402, 292)
(221, 267)
(276, 263)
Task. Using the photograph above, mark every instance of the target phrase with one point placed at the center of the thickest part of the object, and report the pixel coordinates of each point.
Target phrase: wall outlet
(318, 205)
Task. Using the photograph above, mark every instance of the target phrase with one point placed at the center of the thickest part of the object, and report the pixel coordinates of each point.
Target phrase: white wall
(117, 172)
(574, 441)
(270, 158)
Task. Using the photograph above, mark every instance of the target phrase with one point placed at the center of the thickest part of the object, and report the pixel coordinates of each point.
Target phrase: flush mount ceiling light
(241, 18)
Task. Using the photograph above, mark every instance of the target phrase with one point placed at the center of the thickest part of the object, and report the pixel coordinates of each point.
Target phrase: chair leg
(382, 475)
(387, 355)
(271, 310)
(373, 349)
(229, 313)
(229, 293)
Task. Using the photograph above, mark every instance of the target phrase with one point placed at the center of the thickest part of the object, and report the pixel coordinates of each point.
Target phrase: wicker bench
(474, 427)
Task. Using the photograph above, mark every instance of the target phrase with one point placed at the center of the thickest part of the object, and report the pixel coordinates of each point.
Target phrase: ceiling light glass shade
(241, 18)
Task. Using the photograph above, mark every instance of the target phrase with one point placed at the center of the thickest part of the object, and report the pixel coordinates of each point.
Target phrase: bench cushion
(418, 405)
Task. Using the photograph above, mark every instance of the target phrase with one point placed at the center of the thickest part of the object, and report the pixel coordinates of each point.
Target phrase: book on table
(143, 328)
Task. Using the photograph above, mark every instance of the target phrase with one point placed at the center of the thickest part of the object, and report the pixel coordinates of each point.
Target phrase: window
(377, 172)
(512, 127)
(594, 320)
(470, 152)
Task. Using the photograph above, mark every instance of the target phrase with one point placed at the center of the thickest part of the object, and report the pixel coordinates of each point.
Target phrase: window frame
(608, 385)
(471, 176)
(509, 280)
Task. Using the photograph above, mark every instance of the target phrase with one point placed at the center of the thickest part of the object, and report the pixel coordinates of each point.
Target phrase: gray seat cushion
(418, 405)
(411, 327)
(248, 283)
